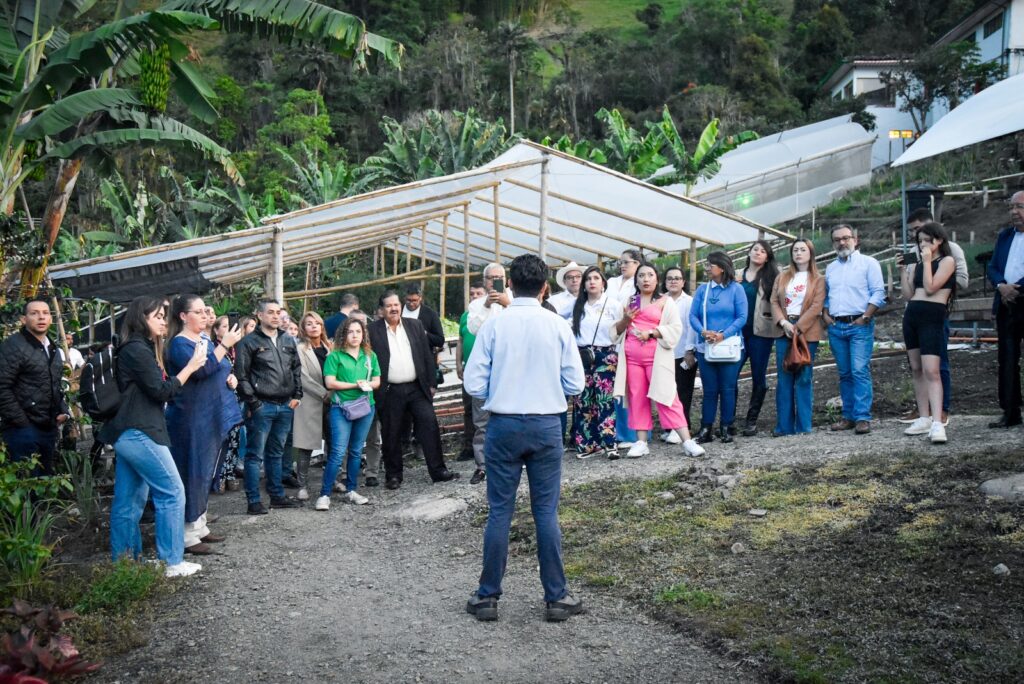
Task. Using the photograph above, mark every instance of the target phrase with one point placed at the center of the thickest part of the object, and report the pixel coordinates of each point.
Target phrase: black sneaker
(393, 483)
(485, 609)
(291, 482)
(465, 455)
(371, 481)
(256, 508)
(284, 502)
(478, 476)
(563, 609)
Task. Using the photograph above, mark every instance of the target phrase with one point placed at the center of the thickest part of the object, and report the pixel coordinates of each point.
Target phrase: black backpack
(97, 388)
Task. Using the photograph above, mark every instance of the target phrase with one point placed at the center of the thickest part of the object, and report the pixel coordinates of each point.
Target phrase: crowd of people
(210, 404)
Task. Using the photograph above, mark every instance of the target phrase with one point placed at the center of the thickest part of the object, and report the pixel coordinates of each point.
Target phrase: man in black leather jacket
(32, 405)
(268, 371)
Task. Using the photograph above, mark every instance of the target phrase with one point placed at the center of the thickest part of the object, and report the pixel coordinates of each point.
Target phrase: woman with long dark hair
(719, 311)
(760, 330)
(593, 410)
(929, 287)
(202, 415)
(797, 302)
(351, 372)
(648, 333)
(138, 432)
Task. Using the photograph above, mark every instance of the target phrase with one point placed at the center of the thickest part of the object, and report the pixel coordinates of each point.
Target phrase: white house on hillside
(998, 29)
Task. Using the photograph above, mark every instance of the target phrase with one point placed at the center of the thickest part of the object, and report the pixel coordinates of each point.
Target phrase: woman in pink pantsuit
(647, 335)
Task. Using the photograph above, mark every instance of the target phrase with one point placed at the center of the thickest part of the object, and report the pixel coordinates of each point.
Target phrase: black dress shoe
(478, 476)
(484, 608)
(256, 508)
(705, 435)
(466, 455)
(725, 434)
(750, 429)
(290, 482)
(371, 481)
(446, 476)
(284, 502)
(1005, 422)
(393, 483)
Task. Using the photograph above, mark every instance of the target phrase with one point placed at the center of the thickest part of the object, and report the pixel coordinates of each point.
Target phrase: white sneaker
(665, 434)
(638, 449)
(323, 503)
(356, 498)
(921, 426)
(672, 438)
(182, 569)
(937, 433)
(624, 445)
(303, 494)
(691, 448)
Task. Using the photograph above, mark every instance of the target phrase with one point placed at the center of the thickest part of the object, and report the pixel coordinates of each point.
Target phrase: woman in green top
(352, 371)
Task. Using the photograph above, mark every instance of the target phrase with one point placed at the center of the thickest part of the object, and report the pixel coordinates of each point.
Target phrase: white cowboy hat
(566, 270)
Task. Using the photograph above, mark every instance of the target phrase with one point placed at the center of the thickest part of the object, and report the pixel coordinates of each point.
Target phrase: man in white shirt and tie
(524, 364)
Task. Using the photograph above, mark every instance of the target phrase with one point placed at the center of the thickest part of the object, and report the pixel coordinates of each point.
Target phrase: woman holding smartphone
(351, 372)
(722, 303)
(138, 432)
(649, 331)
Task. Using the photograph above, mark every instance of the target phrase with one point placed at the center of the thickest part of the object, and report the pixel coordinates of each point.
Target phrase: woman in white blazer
(647, 335)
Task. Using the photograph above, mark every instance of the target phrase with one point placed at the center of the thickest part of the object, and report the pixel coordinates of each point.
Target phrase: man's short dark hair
(262, 304)
(24, 309)
(413, 289)
(348, 299)
(478, 284)
(841, 226)
(923, 215)
(387, 295)
(528, 273)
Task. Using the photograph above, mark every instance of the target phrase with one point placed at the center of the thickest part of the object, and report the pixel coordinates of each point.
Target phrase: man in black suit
(415, 308)
(407, 385)
(1006, 273)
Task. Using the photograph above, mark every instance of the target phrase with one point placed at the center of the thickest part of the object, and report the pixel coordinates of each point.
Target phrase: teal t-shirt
(468, 338)
(344, 368)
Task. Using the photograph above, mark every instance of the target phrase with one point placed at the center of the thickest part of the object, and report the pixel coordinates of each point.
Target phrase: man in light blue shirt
(854, 291)
(524, 364)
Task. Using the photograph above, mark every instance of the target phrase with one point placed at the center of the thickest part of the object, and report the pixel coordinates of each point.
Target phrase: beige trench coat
(663, 375)
(307, 424)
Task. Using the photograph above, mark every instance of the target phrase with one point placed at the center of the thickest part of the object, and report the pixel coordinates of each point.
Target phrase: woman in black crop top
(929, 287)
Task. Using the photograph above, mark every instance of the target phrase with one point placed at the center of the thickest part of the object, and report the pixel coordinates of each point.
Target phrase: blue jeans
(23, 442)
(346, 435)
(622, 431)
(512, 441)
(794, 394)
(759, 351)
(852, 346)
(144, 467)
(719, 381)
(267, 430)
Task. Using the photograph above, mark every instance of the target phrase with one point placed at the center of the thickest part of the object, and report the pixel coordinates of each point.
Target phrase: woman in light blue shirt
(725, 316)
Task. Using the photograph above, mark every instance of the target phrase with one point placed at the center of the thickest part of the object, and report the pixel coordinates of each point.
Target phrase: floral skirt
(593, 410)
(228, 460)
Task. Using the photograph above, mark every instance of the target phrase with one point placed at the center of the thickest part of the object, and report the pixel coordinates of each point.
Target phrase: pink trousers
(638, 383)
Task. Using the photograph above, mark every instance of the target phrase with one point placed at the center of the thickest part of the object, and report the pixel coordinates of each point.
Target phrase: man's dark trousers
(1010, 329)
(536, 442)
(30, 439)
(400, 399)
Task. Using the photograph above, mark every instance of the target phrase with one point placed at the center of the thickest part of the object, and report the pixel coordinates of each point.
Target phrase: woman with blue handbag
(352, 372)
(717, 316)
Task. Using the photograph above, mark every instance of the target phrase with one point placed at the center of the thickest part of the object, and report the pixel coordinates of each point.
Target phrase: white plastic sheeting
(784, 175)
(591, 212)
(992, 113)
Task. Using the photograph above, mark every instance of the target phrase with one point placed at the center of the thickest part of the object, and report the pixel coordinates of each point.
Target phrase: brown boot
(842, 424)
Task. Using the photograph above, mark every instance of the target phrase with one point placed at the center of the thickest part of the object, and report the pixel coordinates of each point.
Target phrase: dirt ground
(365, 594)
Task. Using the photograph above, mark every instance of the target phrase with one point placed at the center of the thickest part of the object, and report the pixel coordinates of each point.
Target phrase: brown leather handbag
(798, 356)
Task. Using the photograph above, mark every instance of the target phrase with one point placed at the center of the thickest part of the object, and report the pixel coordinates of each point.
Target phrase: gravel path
(362, 594)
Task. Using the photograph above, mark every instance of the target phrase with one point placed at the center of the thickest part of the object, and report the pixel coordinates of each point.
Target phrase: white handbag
(729, 350)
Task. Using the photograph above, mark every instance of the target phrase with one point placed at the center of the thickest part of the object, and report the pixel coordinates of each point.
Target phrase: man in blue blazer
(1006, 272)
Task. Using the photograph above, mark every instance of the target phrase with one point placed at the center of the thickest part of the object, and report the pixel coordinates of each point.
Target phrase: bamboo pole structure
(542, 230)
(693, 266)
(394, 258)
(408, 254)
(374, 258)
(531, 231)
(497, 224)
(465, 253)
(444, 264)
(277, 263)
(423, 244)
(349, 286)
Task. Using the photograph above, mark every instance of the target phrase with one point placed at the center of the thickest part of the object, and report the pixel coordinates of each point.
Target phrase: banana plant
(583, 149)
(319, 183)
(705, 161)
(70, 93)
(626, 149)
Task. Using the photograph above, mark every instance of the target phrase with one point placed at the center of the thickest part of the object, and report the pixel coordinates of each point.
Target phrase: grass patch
(116, 587)
(869, 569)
